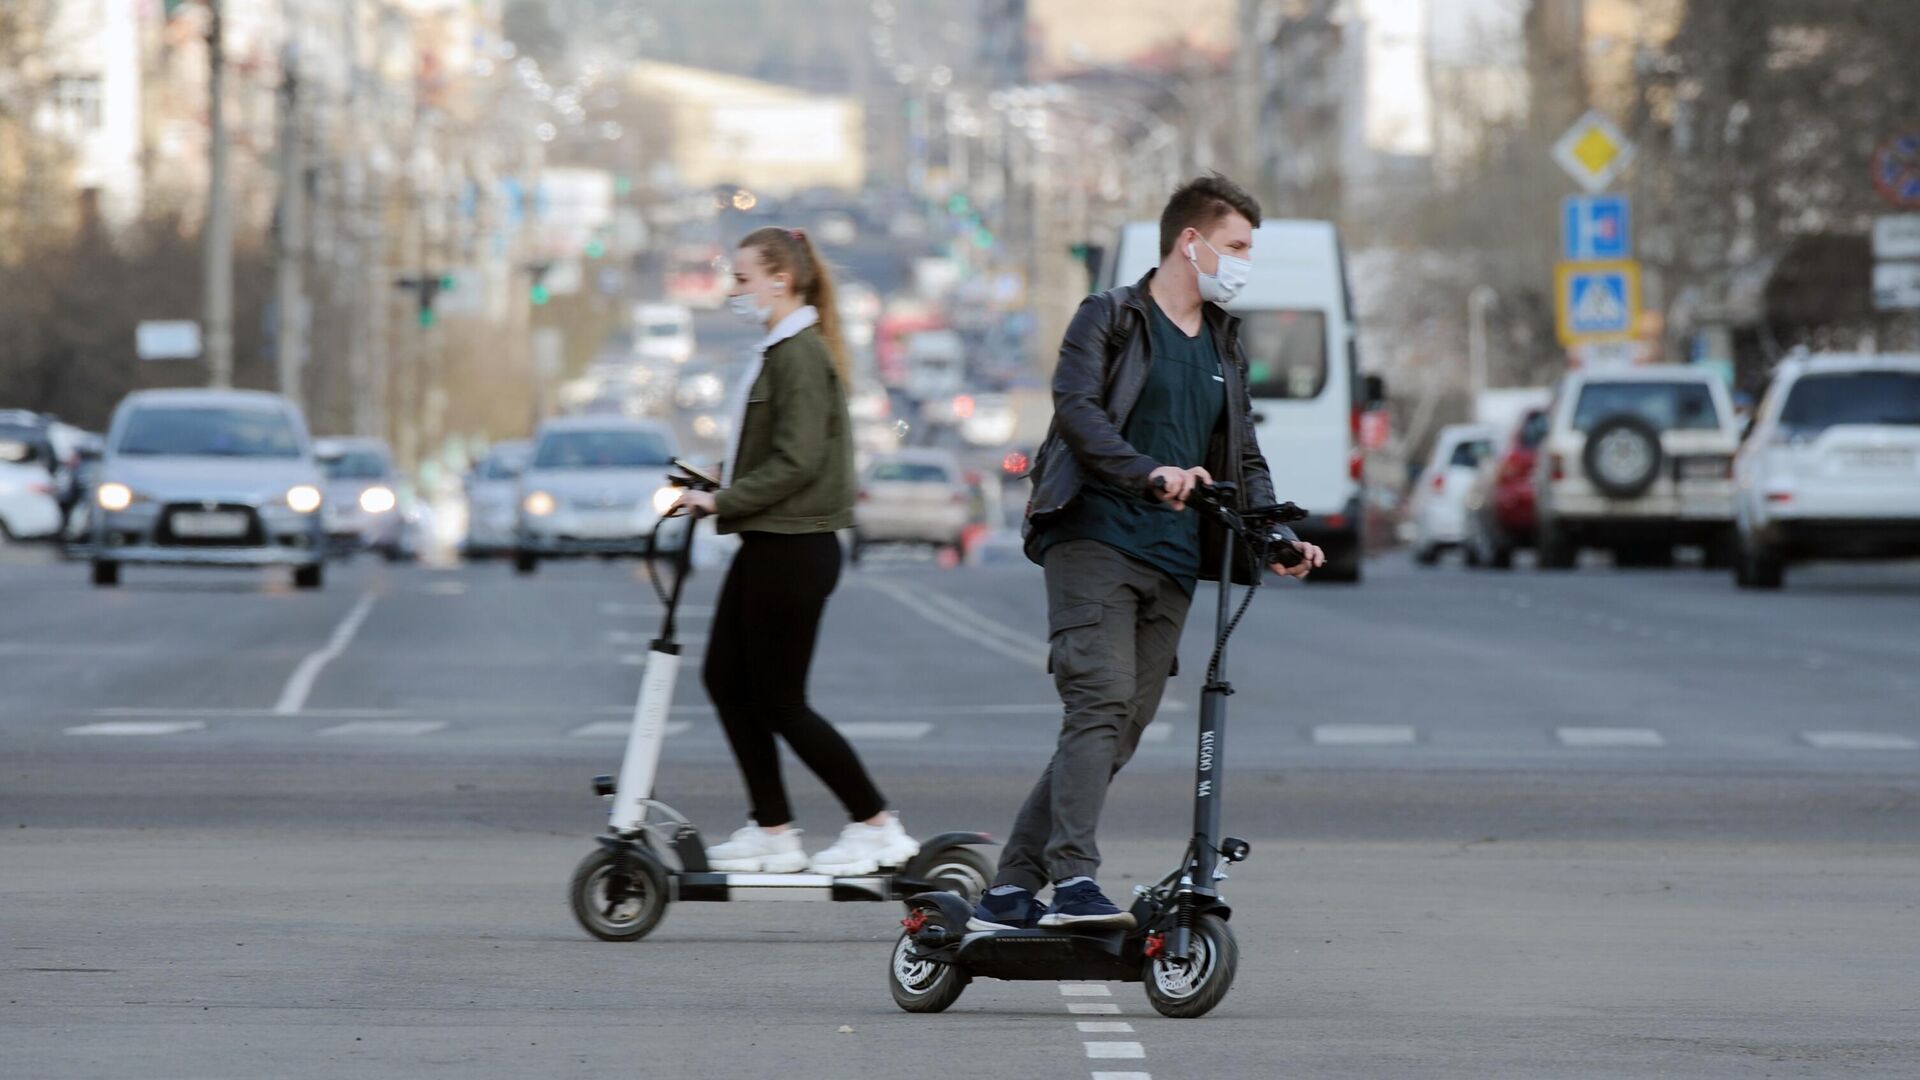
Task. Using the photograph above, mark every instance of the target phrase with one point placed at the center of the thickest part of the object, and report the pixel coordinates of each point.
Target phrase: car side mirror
(1373, 391)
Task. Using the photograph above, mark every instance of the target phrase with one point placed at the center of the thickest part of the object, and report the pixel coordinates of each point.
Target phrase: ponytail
(791, 252)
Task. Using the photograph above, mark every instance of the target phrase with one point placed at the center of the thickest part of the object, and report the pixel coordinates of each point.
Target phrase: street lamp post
(216, 230)
(1480, 300)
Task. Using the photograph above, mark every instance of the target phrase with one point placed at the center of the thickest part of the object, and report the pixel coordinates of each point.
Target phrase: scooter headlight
(664, 499)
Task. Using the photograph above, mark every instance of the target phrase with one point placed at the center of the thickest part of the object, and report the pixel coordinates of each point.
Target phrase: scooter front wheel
(1192, 987)
(619, 896)
(922, 986)
(955, 869)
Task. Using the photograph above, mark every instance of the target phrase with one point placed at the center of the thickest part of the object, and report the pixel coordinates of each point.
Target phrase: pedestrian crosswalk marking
(1364, 735)
(1092, 1008)
(884, 729)
(1157, 733)
(138, 727)
(618, 729)
(1116, 1050)
(386, 727)
(1085, 990)
(1587, 737)
(1859, 740)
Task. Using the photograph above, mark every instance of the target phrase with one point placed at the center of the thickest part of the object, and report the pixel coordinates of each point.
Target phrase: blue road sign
(1596, 301)
(1596, 227)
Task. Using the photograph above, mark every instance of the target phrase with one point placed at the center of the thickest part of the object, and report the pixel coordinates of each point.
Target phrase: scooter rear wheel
(1192, 987)
(922, 986)
(619, 897)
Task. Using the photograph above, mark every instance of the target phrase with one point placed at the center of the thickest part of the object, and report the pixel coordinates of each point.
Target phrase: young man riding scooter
(1150, 399)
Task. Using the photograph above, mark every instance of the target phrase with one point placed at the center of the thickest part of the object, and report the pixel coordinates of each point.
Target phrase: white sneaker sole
(789, 863)
(1122, 921)
(892, 860)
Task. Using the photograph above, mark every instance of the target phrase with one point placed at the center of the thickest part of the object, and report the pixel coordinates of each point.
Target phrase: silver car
(493, 489)
(363, 511)
(914, 496)
(596, 486)
(209, 478)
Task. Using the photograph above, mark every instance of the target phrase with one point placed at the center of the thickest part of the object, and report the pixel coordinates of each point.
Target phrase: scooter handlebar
(1254, 525)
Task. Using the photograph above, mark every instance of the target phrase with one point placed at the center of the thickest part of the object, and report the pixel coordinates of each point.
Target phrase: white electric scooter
(651, 854)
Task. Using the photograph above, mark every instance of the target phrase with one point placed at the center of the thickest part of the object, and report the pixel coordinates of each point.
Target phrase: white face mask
(744, 306)
(1225, 284)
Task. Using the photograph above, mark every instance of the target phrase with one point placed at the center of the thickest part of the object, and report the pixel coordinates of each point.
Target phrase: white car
(595, 486)
(492, 489)
(663, 333)
(912, 497)
(1831, 466)
(1637, 460)
(1438, 505)
(28, 508)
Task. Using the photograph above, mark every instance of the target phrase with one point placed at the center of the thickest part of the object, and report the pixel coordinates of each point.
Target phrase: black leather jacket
(1104, 359)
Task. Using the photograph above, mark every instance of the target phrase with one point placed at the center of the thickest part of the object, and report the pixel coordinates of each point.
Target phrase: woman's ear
(780, 283)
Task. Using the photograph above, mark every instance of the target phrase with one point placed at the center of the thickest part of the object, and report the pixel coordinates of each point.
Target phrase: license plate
(1703, 468)
(211, 525)
(604, 526)
(1879, 460)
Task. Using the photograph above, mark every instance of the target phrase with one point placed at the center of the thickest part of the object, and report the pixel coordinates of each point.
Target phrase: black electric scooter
(652, 855)
(1180, 946)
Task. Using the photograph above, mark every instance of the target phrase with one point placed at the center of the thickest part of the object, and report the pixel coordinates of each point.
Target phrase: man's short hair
(1200, 203)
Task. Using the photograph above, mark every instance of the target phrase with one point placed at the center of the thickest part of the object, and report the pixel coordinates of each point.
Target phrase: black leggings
(756, 671)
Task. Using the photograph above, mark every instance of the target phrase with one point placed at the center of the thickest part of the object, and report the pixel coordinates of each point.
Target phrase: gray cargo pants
(1114, 622)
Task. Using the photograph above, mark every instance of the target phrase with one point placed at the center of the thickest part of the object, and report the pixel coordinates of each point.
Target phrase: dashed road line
(1122, 1076)
(1092, 1008)
(618, 729)
(991, 636)
(1859, 740)
(1364, 735)
(138, 727)
(293, 697)
(1104, 1027)
(1116, 1050)
(1604, 737)
(620, 610)
(386, 728)
(902, 730)
(1085, 990)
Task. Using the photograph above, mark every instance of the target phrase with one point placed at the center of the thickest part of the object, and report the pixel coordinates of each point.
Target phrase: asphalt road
(1599, 824)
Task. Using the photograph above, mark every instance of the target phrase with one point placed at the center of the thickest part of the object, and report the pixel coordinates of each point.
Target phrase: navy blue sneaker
(1083, 904)
(1015, 909)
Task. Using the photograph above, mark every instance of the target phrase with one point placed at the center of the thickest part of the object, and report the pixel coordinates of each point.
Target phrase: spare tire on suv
(1622, 457)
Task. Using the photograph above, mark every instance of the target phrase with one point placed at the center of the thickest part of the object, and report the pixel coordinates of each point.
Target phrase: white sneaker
(754, 850)
(863, 849)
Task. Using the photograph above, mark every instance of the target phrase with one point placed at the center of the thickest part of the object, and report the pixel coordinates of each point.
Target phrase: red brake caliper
(915, 922)
(1156, 944)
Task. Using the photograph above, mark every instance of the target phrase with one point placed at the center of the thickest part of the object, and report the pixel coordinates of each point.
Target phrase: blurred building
(727, 130)
(1073, 35)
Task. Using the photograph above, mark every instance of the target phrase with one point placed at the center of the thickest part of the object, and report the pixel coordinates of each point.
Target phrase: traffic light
(427, 287)
(538, 292)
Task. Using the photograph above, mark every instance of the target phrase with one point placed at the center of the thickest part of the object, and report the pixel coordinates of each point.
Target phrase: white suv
(1637, 460)
(1831, 468)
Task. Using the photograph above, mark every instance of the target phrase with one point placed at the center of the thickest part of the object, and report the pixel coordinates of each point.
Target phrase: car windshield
(209, 431)
(1470, 454)
(602, 450)
(503, 466)
(1533, 430)
(1818, 402)
(1669, 406)
(1286, 353)
(910, 472)
(356, 465)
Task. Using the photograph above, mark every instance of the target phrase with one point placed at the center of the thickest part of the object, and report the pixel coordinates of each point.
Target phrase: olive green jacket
(794, 468)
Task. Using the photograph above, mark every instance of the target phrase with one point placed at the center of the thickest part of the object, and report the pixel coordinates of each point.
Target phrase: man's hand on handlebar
(696, 503)
(1311, 558)
(1172, 485)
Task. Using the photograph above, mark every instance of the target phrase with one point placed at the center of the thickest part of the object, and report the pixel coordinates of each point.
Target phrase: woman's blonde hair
(791, 252)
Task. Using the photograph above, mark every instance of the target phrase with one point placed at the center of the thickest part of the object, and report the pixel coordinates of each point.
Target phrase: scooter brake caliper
(915, 922)
(1156, 944)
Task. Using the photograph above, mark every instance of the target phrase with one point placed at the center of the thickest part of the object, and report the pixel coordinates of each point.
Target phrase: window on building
(76, 102)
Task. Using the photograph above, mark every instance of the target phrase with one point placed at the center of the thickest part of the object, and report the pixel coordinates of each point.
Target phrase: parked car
(209, 478)
(595, 486)
(1500, 516)
(1636, 460)
(1831, 466)
(914, 496)
(363, 506)
(492, 488)
(1438, 504)
(29, 509)
(663, 333)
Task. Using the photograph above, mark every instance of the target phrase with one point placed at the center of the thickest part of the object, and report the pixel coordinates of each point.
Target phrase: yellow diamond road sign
(1593, 151)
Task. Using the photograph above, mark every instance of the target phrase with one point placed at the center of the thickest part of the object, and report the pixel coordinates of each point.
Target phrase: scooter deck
(714, 886)
(1049, 955)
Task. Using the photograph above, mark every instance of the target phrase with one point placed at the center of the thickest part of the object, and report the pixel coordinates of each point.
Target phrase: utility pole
(216, 230)
(291, 339)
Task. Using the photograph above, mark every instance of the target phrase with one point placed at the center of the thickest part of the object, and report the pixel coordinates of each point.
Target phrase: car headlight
(539, 504)
(303, 498)
(114, 496)
(377, 500)
(664, 499)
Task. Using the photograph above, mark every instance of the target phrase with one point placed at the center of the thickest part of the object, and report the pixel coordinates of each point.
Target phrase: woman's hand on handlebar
(1311, 559)
(1171, 484)
(697, 503)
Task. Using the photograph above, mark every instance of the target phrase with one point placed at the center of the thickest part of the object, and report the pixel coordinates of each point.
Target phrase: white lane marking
(1859, 740)
(1105, 1027)
(616, 610)
(1601, 737)
(137, 727)
(1092, 1008)
(884, 729)
(1116, 1050)
(1157, 733)
(618, 729)
(1364, 735)
(293, 697)
(446, 588)
(386, 728)
(1121, 1075)
(917, 603)
(1085, 990)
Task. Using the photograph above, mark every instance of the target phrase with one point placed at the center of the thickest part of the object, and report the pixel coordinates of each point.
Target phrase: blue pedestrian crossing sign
(1596, 301)
(1596, 227)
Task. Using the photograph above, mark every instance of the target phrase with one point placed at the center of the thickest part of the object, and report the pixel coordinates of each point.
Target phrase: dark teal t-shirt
(1173, 421)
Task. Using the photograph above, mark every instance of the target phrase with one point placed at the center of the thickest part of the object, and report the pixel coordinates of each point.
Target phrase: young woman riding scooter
(788, 485)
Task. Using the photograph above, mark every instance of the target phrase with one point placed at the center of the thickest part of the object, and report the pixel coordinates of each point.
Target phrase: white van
(1296, 325)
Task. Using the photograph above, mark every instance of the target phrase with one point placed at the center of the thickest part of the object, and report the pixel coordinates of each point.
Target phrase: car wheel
(1757, 567)
(309, 577)
(525, 562)
(1427, 554)
(1722, 551)
(106, 573)
(1557, 551)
